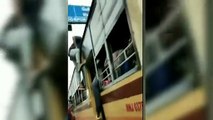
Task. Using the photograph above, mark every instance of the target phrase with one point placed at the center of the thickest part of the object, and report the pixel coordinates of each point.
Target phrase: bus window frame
(138, 59)
(82, 102)
(109, 58)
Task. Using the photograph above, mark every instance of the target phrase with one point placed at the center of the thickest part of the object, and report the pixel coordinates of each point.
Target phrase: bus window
(119, 51)
(121, 47)
(156, 11)
(103, 68)
(80, 94)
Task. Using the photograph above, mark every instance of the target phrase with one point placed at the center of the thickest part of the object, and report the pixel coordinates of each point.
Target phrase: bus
(110, 52)
(175, 48)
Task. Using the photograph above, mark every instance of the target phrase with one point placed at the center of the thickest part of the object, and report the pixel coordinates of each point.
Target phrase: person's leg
(96, 90)
(95, 86)
(69, 117)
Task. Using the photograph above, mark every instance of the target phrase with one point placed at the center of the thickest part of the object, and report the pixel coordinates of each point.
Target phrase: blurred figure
(39, 51)
(175, 60)
(21, 38)
(74, 50)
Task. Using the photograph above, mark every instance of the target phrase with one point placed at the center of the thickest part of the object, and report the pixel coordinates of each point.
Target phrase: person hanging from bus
(97, 94)
(74, 50)
(70, 115)
(96, 87)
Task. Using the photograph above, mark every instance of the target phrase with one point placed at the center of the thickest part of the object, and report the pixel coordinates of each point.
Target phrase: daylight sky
(77, 30)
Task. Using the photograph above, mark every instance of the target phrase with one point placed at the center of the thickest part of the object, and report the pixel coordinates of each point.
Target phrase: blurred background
(33, 59)
(177, 60)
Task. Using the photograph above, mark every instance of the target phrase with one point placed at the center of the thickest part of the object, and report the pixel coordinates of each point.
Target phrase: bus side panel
(87, 114)
(123, 101)
(124, 109)
(134, 8)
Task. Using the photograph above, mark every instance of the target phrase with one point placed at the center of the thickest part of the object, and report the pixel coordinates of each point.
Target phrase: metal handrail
(104, 70)
(165, 55)
(123, 50)
(106, 77)
(125, 60)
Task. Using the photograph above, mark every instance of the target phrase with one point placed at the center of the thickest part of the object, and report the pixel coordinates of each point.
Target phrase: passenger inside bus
(117, 60)
(124, 60)
(121, 62)
(107, 79)
(121, 47)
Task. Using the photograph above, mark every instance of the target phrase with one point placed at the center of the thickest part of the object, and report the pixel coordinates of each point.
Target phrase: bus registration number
(134, 107)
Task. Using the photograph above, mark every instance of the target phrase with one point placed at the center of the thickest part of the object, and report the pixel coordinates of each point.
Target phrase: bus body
(111, 52)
